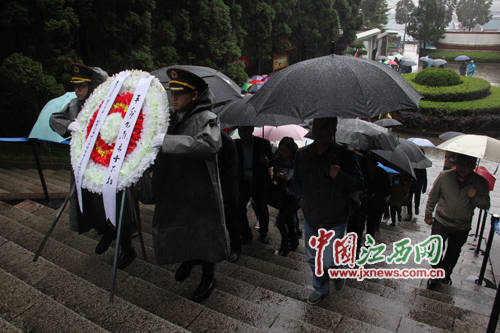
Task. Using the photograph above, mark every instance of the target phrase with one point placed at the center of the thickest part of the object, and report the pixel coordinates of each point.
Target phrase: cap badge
(174, 74)
(76, 69)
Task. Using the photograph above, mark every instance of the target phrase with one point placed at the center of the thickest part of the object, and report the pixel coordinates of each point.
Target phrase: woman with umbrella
(463, 68)
(282, 173)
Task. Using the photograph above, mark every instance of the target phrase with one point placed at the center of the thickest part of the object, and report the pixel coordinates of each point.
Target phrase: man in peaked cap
(85, 80)
(188, 222)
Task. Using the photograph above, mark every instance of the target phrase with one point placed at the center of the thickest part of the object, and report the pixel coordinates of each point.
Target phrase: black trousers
(395, 209)
(285, 221)
(374, 212)
(233, 226)
(207, 268)
(456, 239)
(356, 222)
(248, 189)
(410, 201)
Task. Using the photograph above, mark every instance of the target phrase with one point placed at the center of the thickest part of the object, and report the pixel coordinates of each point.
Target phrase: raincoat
(471, 69)
(188, 222)
(94, 215)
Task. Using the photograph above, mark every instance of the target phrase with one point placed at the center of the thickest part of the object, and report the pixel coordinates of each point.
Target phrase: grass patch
(488, 105)
(477, 56)
(470, 89)
(49, 152)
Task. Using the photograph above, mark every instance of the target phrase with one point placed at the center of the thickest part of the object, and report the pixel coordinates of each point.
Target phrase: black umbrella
(395, 159)
(363, 135)
(239, 113)
(335, 86)
(223, 87)
(450, 135)
(415, 155)
(387, 123)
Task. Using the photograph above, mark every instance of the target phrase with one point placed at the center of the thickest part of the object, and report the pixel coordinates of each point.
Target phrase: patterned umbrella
(480, 146)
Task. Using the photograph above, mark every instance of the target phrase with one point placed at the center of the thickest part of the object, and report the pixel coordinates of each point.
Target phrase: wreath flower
(152, 120)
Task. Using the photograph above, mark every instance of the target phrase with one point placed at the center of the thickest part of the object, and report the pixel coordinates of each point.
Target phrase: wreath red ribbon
(102, 151)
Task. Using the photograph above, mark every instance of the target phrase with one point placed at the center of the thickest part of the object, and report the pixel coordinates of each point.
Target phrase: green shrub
(488, 105)
(477, 56)
(437, 77)
(471, 88)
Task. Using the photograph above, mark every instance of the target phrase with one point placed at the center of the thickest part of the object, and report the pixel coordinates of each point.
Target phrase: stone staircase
(67, 289)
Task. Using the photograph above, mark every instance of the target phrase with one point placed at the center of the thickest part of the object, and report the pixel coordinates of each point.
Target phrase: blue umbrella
(389, 170)
(42, 130)
(462, 57)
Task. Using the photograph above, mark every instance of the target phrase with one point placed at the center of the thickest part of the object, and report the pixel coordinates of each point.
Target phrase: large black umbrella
(395, 159)
(239, 113)
(415, 155)
(450, 135)
(335, 86)
(363, 135)
(387, 122)
(223, 87)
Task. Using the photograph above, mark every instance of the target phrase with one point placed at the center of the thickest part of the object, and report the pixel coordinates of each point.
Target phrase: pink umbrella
(272, 133)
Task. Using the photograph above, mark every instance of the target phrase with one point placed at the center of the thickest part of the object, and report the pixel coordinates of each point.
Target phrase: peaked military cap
(181, 79)
(81, 73)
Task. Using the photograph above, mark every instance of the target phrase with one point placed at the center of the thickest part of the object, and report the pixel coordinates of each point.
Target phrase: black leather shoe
(126, 258)
(432, 283)
(263, 239)
(246, 239)
(283, 251)
(104, 244)
(183, 271)
(204, 290)
(234, 255)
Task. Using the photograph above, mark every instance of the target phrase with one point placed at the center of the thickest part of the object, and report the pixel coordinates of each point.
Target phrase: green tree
(375, 12)
(315, 26)
(41, 30)
(404, 8)
(115, 35)
(429, 20)
(473, 12)
(257, 21)
(24, 89)
(350, 19)
(281, 24)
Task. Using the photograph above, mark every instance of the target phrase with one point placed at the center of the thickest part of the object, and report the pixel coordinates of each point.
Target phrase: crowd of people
(203, 183)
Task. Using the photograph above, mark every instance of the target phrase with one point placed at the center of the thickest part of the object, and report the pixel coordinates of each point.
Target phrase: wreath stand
(118, 236)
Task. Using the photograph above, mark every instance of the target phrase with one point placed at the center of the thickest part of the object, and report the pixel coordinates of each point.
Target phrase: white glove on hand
(158, 140)
(75, 127)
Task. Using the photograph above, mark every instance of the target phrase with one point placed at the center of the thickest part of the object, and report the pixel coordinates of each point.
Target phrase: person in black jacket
(417, 187)
(255, 157)
(228, 172)
(379, 187)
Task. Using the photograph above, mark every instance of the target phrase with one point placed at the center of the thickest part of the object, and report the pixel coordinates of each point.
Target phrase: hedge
(477, 56)
(488, 105)
(471, 88)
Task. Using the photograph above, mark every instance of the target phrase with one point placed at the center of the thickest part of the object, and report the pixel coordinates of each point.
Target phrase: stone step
(35, 180)
(392, 301)
(13, 185)
(59, 177)
(78, 295)
(190, 315)
(87, 245)
(29, 310)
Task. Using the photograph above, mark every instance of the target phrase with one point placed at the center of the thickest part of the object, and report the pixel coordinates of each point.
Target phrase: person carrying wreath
(188, 221)
(85, 80)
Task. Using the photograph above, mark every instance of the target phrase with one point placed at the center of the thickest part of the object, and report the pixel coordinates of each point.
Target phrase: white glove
(75, 127)
(158, 140)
